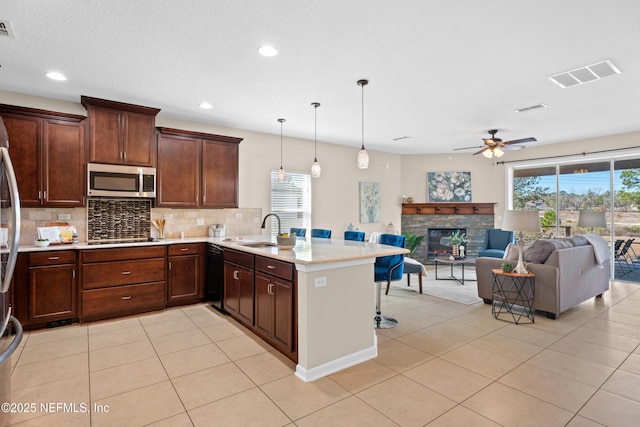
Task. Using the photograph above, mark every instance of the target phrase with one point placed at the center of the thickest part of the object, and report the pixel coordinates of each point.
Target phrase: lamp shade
(525, 221)
(592, 219)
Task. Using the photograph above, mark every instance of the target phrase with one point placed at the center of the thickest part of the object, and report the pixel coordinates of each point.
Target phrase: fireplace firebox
(439, 241)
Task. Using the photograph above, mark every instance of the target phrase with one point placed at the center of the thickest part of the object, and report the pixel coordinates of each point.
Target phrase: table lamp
(592, 219)
(521, 221)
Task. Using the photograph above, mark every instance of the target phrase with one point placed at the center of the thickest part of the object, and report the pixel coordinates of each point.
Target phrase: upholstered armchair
(495, 243)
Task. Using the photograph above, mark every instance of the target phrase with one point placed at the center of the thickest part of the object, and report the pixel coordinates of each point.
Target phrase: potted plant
(457, 238)
(413, 241)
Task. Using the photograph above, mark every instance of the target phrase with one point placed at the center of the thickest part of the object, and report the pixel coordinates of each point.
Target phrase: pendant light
(316, 170)
(281, 174)
(363, 156)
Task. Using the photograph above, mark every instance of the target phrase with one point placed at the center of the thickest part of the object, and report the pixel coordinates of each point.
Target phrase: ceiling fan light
(363, 159)
(497, 152)
(487, 153)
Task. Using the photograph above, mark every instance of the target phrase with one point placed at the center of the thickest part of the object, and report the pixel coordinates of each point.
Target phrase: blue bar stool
(358, 236)
(300, 232)
(387, 269)
(320, 232)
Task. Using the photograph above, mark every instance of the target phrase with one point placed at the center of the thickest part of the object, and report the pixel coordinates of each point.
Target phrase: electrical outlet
(320, 281)
(64, 217)
(238, 216)
(167, 216)
(199, 221)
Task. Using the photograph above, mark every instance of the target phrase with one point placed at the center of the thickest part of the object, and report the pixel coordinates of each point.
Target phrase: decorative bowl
(41, 243)
(286, 242)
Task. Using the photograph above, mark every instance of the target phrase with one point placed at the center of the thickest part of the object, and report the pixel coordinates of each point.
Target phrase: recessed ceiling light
(268, 51)
(206, 106)
(53, 75)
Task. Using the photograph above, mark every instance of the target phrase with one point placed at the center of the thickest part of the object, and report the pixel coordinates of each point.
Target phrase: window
(291, 201)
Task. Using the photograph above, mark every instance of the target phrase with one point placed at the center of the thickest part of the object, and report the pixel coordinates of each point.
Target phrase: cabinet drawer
(52, 257)
(120, 254)
(118, 273)
(241, 258)
(184, 249)
(275, 267)
(113, 301)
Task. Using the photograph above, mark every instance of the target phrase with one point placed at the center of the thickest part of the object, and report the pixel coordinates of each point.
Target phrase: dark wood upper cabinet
(197, 169)
(120, 133)
(47, 152)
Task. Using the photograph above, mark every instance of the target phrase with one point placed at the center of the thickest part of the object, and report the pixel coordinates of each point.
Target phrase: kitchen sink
(258, 244)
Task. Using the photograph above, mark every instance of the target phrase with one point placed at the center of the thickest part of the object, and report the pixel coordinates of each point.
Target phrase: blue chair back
(300, 232)
(496, 242)
(390, 268)
(319, 232)
(358, 236)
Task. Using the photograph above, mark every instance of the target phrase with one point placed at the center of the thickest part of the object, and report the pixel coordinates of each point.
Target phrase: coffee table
(454, 262)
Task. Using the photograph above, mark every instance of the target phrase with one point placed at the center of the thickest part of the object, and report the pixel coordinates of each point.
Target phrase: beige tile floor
(446, 364)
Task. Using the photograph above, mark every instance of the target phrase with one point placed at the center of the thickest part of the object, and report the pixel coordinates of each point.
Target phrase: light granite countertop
(310, 251)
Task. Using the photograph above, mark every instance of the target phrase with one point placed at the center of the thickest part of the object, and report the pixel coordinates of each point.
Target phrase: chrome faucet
(265, 220)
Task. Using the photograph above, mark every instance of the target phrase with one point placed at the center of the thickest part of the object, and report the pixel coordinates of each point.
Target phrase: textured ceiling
(441, 73)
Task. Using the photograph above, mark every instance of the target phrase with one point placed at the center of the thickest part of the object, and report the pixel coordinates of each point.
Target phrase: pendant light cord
(362, 84)
(315, 131)
(281, 121)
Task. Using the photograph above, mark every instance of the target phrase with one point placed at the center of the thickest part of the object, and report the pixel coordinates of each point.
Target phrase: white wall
(335, 194)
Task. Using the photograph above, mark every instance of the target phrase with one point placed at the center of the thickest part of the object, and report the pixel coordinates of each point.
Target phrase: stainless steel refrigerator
(10, 327)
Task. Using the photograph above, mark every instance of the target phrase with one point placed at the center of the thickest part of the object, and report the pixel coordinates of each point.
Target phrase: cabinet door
(283, 314)
(264, 306)
(178, 174)
(219, 174)
(24, 148)
(245, 296)
(52, 293)
(105, 136)
(63, 161)
(184, 280)
(231, 279)
(138, 137)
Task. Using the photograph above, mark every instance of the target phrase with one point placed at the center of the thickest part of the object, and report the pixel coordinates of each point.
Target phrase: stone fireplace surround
(476, 218)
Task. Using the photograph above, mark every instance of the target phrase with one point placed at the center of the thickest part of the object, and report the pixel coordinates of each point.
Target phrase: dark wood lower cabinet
(53, 287)
(274, 311)
(186, 273)
(238, 292)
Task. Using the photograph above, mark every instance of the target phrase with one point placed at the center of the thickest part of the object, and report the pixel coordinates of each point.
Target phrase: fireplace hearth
(473, 218)
(439, 241)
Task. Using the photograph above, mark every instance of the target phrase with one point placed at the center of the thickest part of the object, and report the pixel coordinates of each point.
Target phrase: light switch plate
(238, 216)
(64, 217)
(199, 221)
(167, 216)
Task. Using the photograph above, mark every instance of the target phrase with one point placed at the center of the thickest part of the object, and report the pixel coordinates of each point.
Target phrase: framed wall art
(449, 186)
(369, 202)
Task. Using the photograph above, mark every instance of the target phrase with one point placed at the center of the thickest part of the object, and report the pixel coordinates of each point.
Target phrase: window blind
(291, 201)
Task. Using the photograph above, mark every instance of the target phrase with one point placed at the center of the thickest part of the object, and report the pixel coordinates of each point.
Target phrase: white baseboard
(336, 365)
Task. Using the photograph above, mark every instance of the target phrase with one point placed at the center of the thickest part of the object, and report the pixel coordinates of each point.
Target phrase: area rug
(446, 289)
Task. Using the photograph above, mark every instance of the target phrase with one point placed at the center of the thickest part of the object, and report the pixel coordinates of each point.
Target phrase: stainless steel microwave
(120, 181)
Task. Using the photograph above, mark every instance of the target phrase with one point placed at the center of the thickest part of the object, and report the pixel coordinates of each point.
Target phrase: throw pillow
(511, 252)
(539, 251)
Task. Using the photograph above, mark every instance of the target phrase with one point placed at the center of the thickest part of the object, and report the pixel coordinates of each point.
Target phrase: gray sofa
(568, 271)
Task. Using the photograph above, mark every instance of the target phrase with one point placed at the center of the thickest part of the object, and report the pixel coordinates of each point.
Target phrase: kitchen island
(334, 293)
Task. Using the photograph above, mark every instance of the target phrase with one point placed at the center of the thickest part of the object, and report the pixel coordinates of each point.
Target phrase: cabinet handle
(124, 154)
(271, 267)
(39, 194)
(125, 273)
(184, 249)
(45, 194)
(73, 274)
(120, 154)
(128, 297)
(236, 274)
(53, 258)
(169, 266)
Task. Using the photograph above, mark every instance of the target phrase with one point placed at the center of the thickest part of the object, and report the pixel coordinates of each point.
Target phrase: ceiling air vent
(531, 108)
(5, 29)
(586, 74)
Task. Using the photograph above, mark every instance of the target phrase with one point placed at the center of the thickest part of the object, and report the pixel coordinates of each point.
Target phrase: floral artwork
(449, 186)
(369, 202)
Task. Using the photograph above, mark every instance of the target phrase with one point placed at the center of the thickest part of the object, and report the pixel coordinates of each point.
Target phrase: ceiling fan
(495, 147)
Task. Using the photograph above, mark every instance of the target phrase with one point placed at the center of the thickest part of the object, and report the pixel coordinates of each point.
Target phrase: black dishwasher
(215, 276)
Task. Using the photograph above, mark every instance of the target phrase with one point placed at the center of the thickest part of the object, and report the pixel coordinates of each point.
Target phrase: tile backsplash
(116, 219)
(238, 222)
